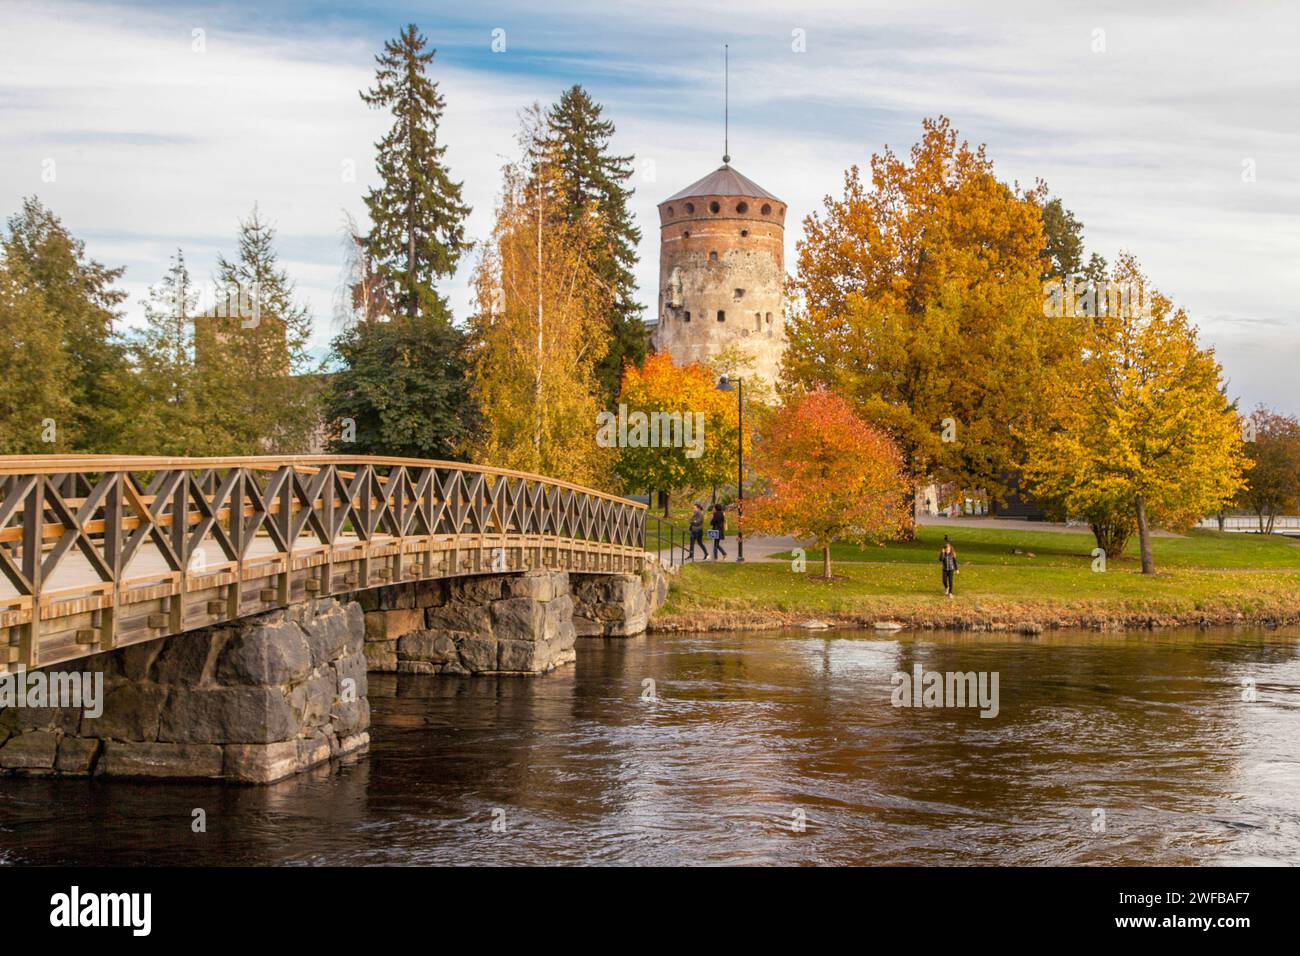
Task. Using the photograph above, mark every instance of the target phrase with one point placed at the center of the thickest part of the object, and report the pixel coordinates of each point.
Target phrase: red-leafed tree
(828, 475)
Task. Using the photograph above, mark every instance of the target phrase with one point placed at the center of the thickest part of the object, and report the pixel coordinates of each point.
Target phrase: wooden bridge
(99, 552)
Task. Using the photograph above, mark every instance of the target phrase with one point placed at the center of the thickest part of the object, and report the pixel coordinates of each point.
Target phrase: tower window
(722, 316)
(744, 233)
(758, 321)
(742, 207)
(670, 211)
(739, 293)
(713, 257)
(714, 206)
(767, 209)
(690, 207)
(769, 318)
(686, 317)
(686, 234)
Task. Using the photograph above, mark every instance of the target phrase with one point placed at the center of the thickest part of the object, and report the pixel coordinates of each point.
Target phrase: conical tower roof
(724, 181)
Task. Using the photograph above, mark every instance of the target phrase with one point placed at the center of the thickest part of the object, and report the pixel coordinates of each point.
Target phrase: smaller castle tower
(722, 271)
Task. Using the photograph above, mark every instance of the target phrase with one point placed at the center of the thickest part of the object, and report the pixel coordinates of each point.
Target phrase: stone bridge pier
(502, 623)
(262, 698)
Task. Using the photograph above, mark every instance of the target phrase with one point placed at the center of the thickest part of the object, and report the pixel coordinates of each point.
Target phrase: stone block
(313, 699)
(392, 624)
(478, 655)
(350, 717)
(470, 618)
(131, 712)
(144, 759)
(381, 655)
(264, 655)
(482, 589)
(135, 662)
(518, 619)
(430, 594)
(263, 763)
(77, 755)
(351, 668)
(418, 667)
(538, 585)
(558, 616)
(328, 634)
(35, 750)
(242, 715)
(313, 750)
(436, 646)
(517, 655)
(350, 745)
(184, 658)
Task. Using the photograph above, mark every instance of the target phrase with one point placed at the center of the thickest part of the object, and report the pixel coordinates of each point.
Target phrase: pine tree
(417, 215)
(592, 184)
(78, 295)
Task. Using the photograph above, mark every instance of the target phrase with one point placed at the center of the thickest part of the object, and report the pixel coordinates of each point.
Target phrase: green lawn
(1205, 575)
(980, 546)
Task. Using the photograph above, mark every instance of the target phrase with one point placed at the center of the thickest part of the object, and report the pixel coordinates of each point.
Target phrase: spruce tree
(78, 295)
(417, 233)
(401, 390)
(592, 184)
(170, 417)
(251, 353)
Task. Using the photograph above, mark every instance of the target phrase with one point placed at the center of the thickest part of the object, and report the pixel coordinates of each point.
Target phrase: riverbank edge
(1020, 619)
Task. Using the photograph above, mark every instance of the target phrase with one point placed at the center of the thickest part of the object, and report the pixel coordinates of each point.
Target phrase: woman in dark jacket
(718, 522)
(948, 561)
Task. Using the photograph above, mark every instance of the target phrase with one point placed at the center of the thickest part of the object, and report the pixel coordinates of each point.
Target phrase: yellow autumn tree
(1140, 430)
(919, 300)
(673, 428)
(539, 328)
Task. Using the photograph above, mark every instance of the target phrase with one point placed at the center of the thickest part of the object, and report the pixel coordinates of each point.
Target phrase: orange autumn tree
(828, 475)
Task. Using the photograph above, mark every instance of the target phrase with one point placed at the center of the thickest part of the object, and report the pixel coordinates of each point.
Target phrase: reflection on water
(744, 732)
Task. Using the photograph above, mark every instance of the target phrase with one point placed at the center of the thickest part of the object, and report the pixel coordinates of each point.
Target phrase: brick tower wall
(722, 255)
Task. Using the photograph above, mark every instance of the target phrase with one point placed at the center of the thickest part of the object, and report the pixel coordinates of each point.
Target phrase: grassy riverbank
(1205, 578)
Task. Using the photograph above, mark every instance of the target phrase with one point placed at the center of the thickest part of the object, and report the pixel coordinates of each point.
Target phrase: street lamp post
(724, 385)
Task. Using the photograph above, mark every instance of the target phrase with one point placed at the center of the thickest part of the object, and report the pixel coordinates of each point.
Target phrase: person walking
(718, 530)
(697, 531)
(948, 561)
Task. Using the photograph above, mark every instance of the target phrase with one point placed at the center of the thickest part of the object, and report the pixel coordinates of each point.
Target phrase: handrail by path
(101, 551)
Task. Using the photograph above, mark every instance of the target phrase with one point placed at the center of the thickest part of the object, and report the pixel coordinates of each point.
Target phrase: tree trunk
(1221, 520)
(663, 498)
(1144, 538)
(909, 533)
(826, 561)
(1111, 537)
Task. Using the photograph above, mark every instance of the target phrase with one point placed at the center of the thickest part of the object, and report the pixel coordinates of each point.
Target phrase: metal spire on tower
(726, 105)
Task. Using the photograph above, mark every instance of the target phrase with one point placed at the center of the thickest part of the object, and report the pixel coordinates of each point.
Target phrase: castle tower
(722, 272)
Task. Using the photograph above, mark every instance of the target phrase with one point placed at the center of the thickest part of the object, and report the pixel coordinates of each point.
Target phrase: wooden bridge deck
(93, 556)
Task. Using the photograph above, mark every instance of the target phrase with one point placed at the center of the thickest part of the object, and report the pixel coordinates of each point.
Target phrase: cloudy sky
(1170, 129)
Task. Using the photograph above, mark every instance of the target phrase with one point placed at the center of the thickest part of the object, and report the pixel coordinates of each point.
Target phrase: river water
(762, 748)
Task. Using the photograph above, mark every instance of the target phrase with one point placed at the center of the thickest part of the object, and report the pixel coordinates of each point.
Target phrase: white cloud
(157, 146)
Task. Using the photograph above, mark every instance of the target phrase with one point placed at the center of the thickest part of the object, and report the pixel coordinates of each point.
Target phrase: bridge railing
(101, 551)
